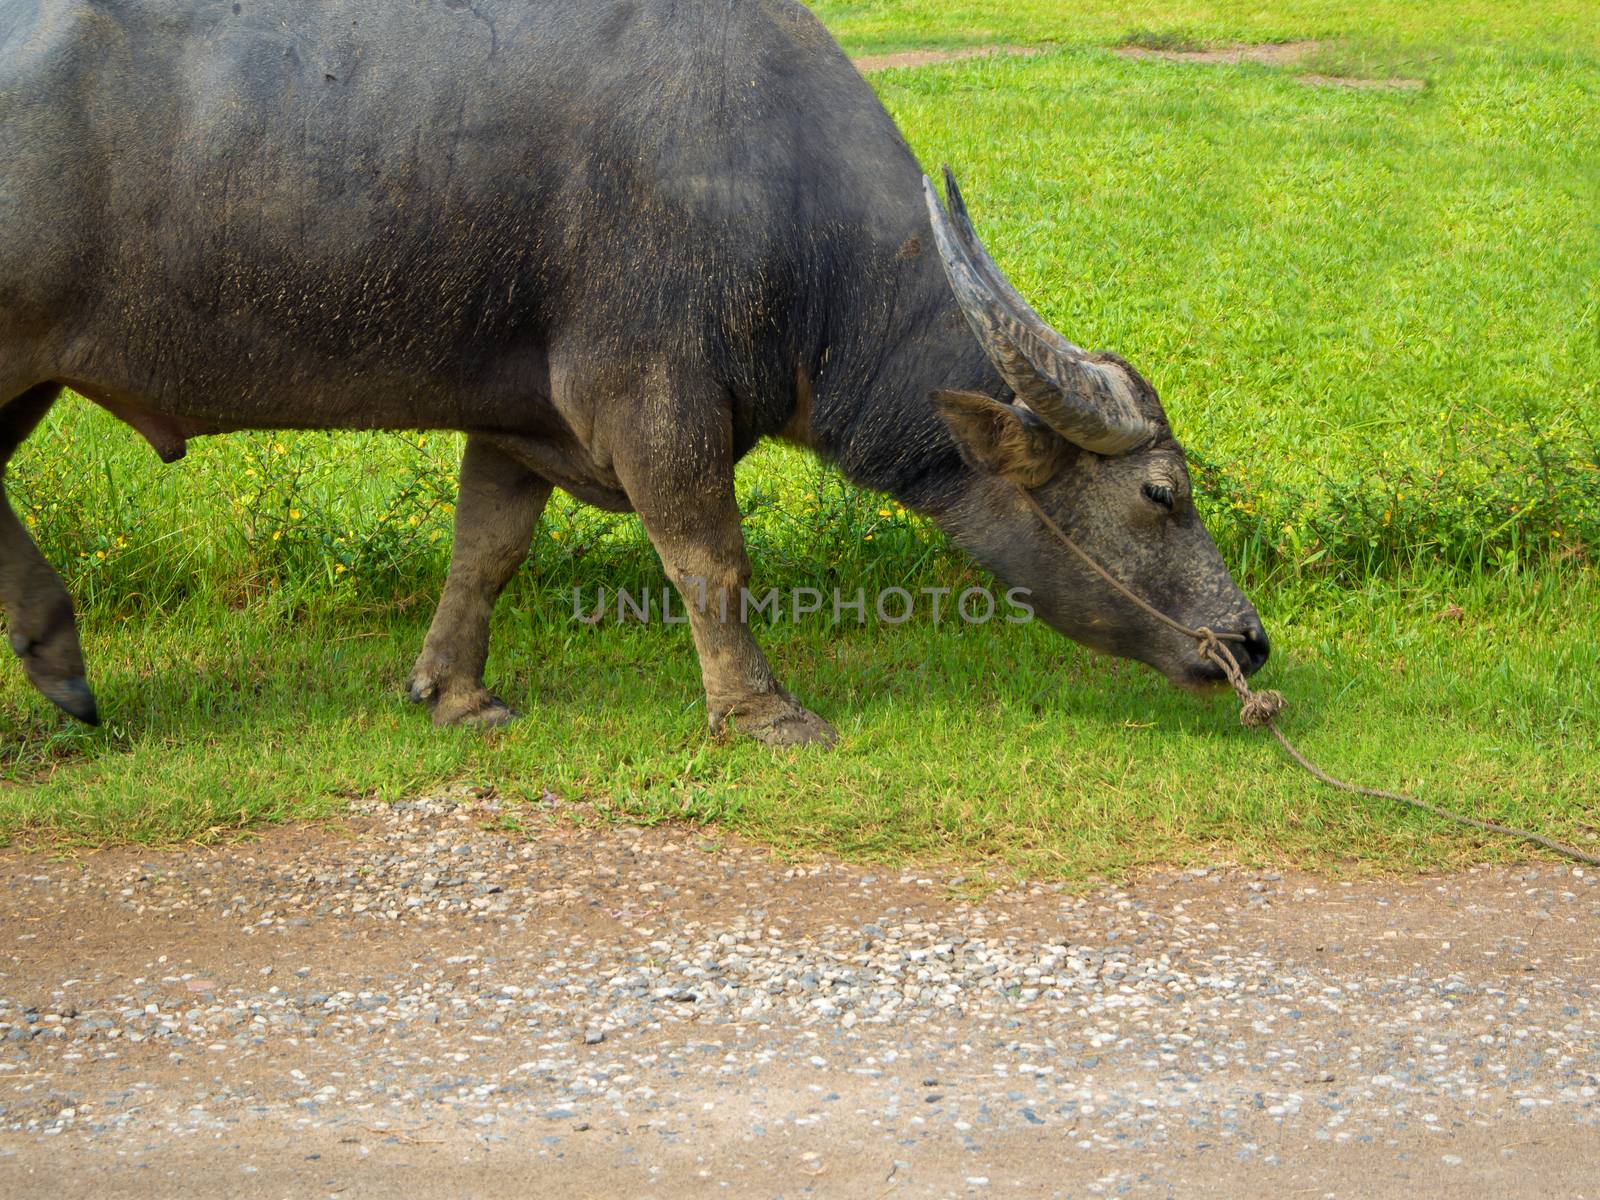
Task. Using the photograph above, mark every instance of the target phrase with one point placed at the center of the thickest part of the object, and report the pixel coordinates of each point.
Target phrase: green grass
(1375, 318)
(1379, 311)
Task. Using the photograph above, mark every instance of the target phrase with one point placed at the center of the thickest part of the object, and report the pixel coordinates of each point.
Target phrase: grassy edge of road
(996, 746)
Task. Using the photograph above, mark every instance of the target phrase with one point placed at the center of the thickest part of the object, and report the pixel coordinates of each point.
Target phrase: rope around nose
(1261, 709)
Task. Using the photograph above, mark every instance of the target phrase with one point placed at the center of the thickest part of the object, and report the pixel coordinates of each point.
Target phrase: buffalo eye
(1159, 494)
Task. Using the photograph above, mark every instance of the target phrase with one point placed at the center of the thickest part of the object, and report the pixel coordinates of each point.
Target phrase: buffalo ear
(1002, 439)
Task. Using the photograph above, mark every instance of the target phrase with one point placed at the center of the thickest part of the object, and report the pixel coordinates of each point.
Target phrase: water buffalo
(615, 242)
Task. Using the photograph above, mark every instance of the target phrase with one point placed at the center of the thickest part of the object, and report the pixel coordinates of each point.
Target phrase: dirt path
(928, 58)
(1272, 54)
(610, 1012)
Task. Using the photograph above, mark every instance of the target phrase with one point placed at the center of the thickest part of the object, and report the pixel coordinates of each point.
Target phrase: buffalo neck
(872, 416)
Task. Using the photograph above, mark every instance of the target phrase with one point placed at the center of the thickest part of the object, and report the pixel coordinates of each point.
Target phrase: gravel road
(418, 1002)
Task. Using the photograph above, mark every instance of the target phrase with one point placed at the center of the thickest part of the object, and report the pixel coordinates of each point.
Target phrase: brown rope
(1260, 709)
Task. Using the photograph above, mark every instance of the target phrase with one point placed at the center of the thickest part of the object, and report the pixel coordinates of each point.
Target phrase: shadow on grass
(169, 681)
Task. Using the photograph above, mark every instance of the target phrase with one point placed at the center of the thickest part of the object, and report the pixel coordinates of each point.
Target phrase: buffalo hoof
(71, 696)
(780, 721)
(421, 686)
(467, 704)
(477, 708)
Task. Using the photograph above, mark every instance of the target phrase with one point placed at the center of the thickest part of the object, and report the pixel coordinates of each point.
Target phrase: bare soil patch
(1396, 84)
(928, 58)
(1272, 54)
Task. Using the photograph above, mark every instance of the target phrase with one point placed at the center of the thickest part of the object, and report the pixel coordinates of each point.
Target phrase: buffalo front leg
(496, 512)
(677, 468)
(43, 630)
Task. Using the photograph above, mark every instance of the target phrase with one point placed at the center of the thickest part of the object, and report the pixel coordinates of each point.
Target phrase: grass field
(1374, 315)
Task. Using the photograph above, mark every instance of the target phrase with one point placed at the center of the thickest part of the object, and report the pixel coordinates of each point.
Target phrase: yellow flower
(338, 568)
(99, 553)
(883, 512)
(294, 514)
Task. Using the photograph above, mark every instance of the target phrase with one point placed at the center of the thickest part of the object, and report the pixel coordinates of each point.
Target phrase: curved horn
(1091, 404)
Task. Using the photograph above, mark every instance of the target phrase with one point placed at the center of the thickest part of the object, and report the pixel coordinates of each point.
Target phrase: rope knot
(1259, 708)
(1255, 708)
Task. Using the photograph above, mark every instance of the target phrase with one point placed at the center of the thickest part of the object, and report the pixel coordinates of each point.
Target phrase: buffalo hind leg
(496, 512)
(676, 464)
(44, 632)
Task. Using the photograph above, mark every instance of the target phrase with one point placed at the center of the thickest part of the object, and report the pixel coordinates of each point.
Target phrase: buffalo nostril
(1256, 645)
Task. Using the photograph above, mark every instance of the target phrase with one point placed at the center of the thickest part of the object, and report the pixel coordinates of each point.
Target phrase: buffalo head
(1086, 434)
